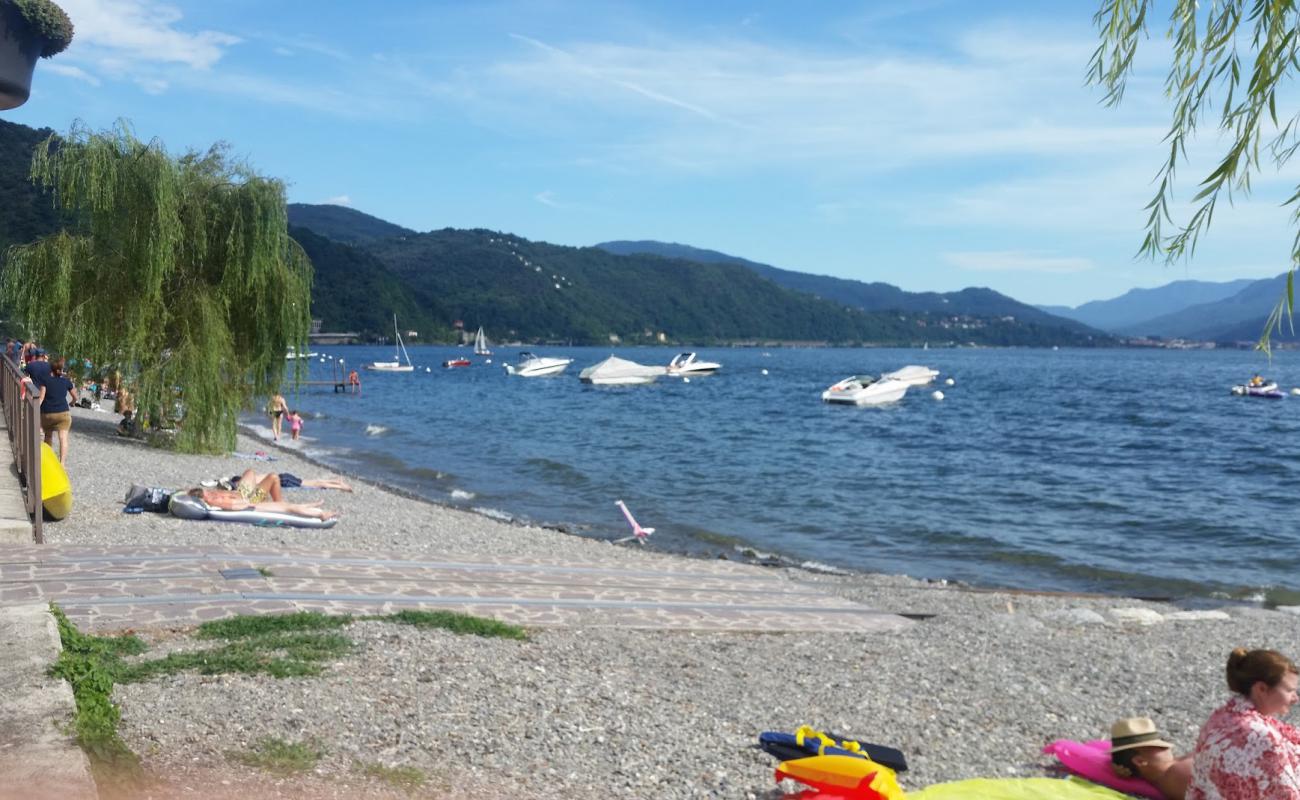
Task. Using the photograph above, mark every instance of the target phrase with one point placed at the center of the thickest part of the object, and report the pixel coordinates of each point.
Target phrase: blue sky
(929, 144)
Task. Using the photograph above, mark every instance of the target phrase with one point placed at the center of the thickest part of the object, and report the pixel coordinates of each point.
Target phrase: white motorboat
(615, 371)
(481, 343)
(912, 375)
(865, 390)
(687, 364)
(534, 366)
(395, 365)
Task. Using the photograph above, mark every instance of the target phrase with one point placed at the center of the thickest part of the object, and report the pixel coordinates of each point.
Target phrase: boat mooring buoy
(950, 382)
(764, 372)
(938, 395)
(428, 369)
(686, 380)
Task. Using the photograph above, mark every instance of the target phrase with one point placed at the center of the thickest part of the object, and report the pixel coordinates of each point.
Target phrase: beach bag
(147, 498)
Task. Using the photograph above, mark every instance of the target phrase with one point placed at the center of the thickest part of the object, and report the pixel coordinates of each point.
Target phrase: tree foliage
(179, 270)
(1230, 58)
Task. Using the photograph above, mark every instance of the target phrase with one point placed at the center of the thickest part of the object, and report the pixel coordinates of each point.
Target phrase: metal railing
(23, 421)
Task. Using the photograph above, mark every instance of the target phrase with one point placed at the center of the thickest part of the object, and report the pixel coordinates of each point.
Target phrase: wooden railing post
(23, 422)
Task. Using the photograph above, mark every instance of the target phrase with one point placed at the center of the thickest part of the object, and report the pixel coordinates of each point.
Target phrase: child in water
(295, 424)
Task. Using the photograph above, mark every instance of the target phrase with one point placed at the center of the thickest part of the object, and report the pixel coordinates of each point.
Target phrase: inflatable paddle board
(56, 489)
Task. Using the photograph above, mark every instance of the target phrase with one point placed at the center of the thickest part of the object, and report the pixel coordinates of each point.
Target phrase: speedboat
(865, 390)
(533, 366)
(456, 362)
(615, 371)
(687, 364)
(912, 375)
(1267, 390)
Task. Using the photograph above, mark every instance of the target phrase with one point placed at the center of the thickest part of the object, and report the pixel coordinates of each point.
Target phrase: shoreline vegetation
(974, 688)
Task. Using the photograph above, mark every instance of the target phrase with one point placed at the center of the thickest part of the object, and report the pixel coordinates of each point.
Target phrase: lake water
(1096, 470)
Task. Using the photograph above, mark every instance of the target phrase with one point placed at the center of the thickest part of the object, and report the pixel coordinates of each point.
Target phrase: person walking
(55, 390)
(295, 424)
(277, 408)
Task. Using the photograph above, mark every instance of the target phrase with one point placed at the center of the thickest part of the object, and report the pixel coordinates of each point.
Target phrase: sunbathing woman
(259, 495)
(285, 480)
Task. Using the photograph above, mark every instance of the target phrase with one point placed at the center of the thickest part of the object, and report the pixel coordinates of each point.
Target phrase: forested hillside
(26, 214)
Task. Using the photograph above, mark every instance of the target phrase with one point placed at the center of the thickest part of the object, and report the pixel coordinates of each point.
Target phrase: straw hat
(1127, 734)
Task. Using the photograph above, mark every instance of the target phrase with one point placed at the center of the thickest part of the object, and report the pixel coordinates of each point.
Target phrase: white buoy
(489, 361)
(764, 372)
(428, 369)
(938, 395)
(686, 380)
(1296, 390)
(950, 382)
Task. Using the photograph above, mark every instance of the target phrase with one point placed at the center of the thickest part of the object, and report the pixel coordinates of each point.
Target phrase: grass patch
(265, 572)
(90, 664)
(280, 655)
(278, 756)
(250, 625)
(408, 778)
(457, 623)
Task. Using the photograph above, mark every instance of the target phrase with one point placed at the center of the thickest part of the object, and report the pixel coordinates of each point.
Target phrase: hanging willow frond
(1212, 55)
(178, 270)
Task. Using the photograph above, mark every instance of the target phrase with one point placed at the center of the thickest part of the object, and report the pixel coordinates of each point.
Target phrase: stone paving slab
(110, 588)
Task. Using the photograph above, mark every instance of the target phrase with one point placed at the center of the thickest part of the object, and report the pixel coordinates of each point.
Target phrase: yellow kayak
(56, 489)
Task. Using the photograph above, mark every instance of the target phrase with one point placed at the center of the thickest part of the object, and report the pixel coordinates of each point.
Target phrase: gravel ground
(975, 690)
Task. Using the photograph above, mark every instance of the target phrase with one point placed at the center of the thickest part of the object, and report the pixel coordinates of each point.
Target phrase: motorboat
(395, 365)
(865, 390)
(1267, 389)
(534, 366)
(687, 364)
(912, 375)
(615, 371)
(456, 362)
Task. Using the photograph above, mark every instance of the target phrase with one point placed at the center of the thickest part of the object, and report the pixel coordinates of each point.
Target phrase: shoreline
(974, 689)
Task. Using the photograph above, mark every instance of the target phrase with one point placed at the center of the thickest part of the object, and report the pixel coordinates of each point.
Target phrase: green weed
(248, 625)
(408, 778)
(457, 623)
(278, 756)
(281, 655)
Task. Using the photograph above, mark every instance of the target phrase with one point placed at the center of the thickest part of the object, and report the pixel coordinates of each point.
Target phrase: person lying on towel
(1137, 751)
(290, 481)
(259, 495)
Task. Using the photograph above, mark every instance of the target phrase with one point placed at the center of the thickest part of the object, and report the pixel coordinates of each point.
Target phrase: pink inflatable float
(1091, 760)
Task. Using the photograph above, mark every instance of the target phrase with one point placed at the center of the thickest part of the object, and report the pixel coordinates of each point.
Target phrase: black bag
(147, 498)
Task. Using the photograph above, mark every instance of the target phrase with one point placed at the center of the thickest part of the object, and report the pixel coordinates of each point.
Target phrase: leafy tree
(1235, 52)
(181, 270)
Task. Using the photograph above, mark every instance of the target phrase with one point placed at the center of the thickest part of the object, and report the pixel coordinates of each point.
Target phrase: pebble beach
(974, 688)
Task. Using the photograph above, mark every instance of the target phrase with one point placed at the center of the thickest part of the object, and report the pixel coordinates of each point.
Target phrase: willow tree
(179, 270)
(1230, 58)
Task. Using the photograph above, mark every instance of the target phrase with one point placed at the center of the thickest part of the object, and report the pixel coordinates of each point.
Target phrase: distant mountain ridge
(871, 297)
(521, 289)
(1131, 310)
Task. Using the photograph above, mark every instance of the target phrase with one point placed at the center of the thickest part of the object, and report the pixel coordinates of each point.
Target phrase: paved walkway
(113, 588)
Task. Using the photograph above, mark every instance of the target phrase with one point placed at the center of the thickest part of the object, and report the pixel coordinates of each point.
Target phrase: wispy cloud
(121, 35)
(1017, 261)
(547, 198)
(338, 200)
(69, 71)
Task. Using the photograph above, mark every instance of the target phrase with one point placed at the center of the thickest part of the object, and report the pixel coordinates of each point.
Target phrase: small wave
(493, 513)
(461, 494)
(375, 430)
(825, 569)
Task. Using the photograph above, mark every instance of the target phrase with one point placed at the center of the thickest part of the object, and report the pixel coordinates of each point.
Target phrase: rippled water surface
(1108, 470)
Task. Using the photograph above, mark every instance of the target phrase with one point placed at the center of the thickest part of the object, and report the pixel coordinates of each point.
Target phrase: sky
(930, 144)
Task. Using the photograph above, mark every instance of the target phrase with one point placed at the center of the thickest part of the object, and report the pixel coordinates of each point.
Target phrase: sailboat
(394, 365)
(481, 343)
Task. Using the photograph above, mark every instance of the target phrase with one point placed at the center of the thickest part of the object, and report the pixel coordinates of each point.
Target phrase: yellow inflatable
(56, 489)
(1017, 789)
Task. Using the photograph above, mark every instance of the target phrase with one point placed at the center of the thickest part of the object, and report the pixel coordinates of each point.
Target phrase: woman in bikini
(277, 408)
(260, 493)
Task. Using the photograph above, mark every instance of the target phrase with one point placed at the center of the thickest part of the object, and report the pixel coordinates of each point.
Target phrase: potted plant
(29, 29)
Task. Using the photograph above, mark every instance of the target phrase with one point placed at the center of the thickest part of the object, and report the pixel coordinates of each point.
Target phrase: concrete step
(38, 759)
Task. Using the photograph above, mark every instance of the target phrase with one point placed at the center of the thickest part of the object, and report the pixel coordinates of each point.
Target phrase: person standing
(277, 409)
(55, 391)
(295, 424)
(354, 381)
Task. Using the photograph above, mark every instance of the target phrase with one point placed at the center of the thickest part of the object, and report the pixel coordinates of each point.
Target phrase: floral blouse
(1242, 754)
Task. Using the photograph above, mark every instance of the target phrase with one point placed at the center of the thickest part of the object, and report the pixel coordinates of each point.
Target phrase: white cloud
(547, 198)
(69, 71)
(338, 200)
(133, 38)
(1017, 261)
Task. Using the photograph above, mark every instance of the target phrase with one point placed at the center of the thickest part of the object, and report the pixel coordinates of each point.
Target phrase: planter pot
(18, 53)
